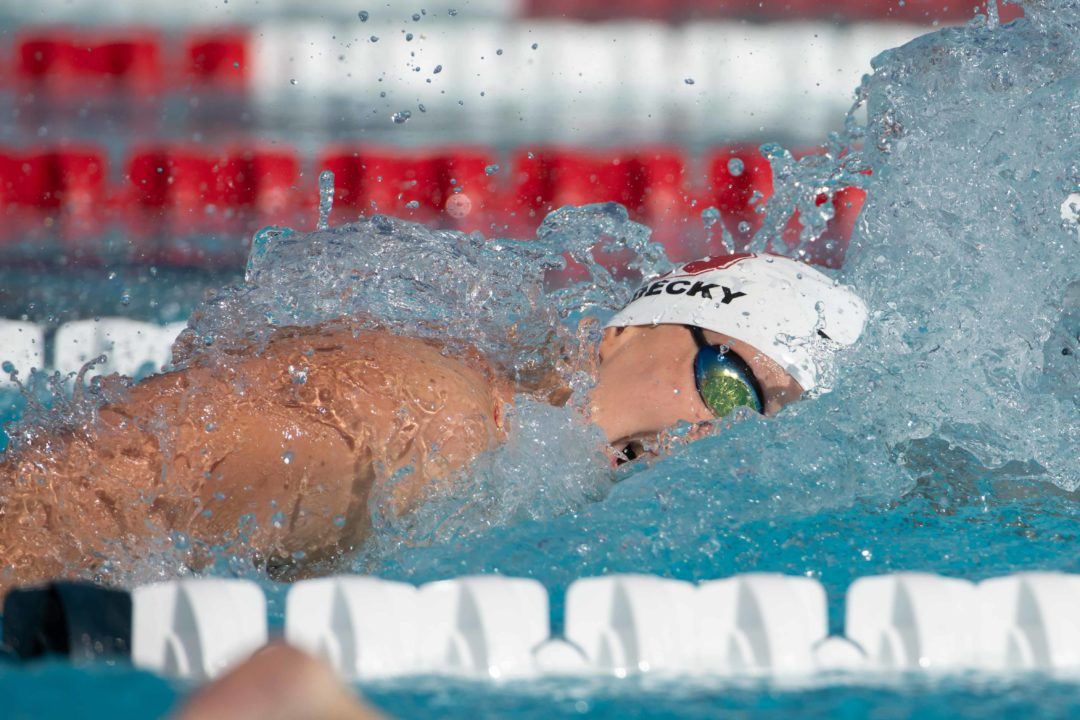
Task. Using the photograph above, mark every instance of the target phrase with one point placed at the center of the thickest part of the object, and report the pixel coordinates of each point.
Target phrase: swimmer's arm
(181, 458)
(245, 457)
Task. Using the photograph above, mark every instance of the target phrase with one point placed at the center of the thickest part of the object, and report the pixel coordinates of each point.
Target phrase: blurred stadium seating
(172, 131)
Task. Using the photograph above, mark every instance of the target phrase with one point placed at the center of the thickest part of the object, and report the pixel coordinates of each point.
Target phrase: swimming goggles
(723, 379)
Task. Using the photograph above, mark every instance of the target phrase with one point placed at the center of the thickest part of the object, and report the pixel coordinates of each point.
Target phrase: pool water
(948, 442)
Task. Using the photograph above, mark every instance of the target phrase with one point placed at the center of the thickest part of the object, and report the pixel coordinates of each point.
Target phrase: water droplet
(416, 17)
(491, 170)
(374, 38)
(688, 81)
(287, 457)
(499, 51)
(535, 45)
(458, 206)
(735, 166)
(8, 367)
(125, 298)
(452, 12)
(413, 204)
(744, 227)
(437, 70)
(294, 81)
(363, 15)
(401, 117)
(326, 198)
(408, 37)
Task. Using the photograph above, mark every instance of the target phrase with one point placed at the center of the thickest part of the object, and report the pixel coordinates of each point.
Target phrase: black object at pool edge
(76, 620)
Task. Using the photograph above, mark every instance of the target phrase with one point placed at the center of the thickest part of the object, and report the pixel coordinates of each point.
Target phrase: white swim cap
(781, 307)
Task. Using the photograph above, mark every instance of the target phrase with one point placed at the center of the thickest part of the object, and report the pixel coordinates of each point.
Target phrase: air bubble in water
(744, 227)
(401, 117)
(491, 170)
(287, 457)
(735, 166)
(688, 81)
(363, 15)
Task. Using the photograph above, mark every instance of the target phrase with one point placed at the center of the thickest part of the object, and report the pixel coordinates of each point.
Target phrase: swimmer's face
(646, 381)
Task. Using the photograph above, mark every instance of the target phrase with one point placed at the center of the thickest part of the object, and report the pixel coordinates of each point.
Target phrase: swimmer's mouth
(629, 452)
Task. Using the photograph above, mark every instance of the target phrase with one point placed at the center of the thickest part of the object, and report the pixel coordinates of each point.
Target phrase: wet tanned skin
(300, 444)
(195, 451)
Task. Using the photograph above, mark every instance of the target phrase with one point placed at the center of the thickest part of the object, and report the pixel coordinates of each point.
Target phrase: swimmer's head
(715, 333)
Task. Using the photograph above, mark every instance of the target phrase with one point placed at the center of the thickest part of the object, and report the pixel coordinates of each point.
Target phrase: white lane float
(760, 624)
(23, 345)
(364, 627)
(913, 621)
(196, 628)
(632, 623)
(130, 347)
(1029, 621)
(483, 625)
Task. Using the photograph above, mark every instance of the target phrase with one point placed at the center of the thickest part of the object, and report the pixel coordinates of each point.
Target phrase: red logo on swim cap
(720, 262)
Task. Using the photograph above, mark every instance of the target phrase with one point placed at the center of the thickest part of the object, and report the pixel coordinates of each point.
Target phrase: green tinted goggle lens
(724, 380)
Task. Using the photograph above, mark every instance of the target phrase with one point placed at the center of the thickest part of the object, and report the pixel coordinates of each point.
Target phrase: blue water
(947, 444)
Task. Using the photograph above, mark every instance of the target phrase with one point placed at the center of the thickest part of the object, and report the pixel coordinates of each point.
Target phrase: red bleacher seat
(646, 182)
(450, 188)
(738, 195)
(196, 200)
(217, 59)
(472, 198)
(84, 61)
(263, 181)
(53, 191)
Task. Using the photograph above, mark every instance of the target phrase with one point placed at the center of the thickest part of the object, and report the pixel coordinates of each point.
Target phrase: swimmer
(239, 454)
